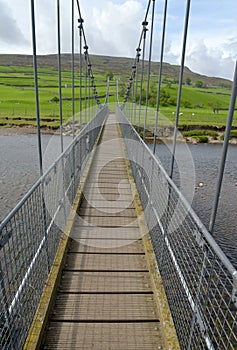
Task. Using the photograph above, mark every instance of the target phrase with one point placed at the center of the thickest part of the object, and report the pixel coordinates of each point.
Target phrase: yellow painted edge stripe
(47, 298)
(168, 329)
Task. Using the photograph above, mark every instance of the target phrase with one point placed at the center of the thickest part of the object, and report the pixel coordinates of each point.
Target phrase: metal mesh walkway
(105, 300)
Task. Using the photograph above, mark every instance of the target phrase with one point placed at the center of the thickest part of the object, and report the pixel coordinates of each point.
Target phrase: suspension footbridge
(104, 251)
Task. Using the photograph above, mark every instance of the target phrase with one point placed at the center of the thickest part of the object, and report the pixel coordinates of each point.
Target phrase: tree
(122, 90)
(109, 75)
(164, 97)
(199, 84)
(188, 81)
(152, 101)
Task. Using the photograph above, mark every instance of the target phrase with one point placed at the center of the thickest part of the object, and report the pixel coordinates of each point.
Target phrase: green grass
(17, 96)
(17, 100)
(201, 139)
(192, 133)
(233, 134)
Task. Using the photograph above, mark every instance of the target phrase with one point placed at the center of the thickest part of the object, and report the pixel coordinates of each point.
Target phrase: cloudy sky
(113, 28)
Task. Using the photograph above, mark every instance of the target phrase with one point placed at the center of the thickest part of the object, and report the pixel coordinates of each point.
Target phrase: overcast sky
(113, 28)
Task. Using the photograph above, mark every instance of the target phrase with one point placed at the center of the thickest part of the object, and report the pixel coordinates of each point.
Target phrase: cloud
(10, 33)
(113, 28)
(211, 60)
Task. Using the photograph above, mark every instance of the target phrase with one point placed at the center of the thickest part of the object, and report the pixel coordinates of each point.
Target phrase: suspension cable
(149, 68)
(160, 74)
(180, 86)
(134, 75)
(134, 68)
(73, 73)
(36, 87)
(85, 81)
(60, 75)
(136, 78)
(87, 64)
(224, 152)
(144, 23)
(89, 90)
(80, 21)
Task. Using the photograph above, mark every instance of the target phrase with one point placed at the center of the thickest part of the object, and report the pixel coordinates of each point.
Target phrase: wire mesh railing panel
(199, 280)
(30, 235)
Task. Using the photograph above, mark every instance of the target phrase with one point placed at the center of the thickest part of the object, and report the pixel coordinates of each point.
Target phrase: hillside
(201, 106)
(118, 65)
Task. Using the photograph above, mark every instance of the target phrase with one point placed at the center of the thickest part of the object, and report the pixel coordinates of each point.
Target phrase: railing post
(144, 23)
(136, 89)
(89, 91)
(85, 82)
(73, 96)
(80, 21)
(38, 123)
(60, 75)
(180, 86)
(36, 87)
(117, 93)
(224, 152)
(73, 72)
(160, 75)
(149, 69)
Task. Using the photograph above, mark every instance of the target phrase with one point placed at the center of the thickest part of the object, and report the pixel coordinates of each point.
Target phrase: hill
(117, 65)
(201, 106)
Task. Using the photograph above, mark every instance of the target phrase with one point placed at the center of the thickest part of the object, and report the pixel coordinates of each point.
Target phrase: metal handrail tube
(200, 281)
(29, 227)
(187, 205)
(178, 269)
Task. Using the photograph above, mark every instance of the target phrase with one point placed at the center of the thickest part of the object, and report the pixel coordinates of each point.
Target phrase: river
(19, 170)
(19, 166)
(205, 161)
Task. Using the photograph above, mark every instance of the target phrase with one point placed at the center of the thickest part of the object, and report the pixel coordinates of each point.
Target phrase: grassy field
(17, 96)
(17, 99)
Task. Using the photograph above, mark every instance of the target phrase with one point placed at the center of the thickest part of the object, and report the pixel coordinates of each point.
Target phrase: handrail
(199, 279)
(31, 233)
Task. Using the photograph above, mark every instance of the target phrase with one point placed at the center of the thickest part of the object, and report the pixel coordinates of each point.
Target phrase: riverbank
(31, 130)
(191, 134)
(24, 131)
(164, 137)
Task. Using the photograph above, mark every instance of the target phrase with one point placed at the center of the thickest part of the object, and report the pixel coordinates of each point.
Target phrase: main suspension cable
(89, 76)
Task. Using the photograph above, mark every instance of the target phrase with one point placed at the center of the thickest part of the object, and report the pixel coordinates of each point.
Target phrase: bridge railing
(30, 235)
(199, 280)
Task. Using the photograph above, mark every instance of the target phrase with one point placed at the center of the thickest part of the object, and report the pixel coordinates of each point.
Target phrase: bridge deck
(105, 300)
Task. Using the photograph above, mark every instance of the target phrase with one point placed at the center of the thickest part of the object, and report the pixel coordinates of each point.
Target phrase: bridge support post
(36, 86)
(59, 74)
(73, 71)
(160, 74)
(224, 152)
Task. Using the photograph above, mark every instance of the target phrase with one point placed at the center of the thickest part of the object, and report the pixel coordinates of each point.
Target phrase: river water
(19, 170)
(19, 165)
(203, 162)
